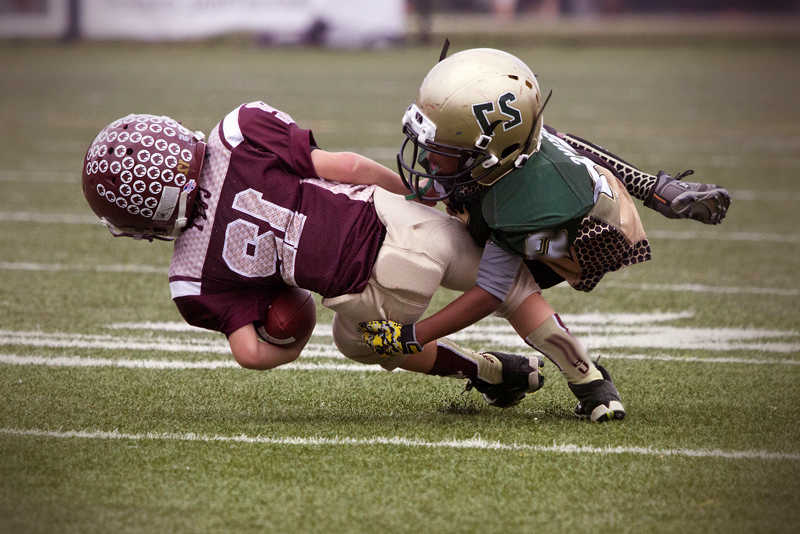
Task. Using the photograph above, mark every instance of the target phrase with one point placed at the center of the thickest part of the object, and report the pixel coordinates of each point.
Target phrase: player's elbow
(251, 353)
(350, 167)
(252, 360)
(339, 166)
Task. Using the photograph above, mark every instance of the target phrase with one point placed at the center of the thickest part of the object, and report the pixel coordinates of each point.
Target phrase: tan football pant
(424, 248)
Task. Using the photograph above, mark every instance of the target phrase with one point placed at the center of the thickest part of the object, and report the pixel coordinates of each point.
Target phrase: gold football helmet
(482, 106)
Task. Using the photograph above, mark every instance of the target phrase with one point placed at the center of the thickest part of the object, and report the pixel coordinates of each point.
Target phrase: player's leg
(418, 254)
(541, 328)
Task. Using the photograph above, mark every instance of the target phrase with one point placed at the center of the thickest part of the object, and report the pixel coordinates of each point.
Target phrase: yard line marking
(757, 237)
(752, 194)
(77, 361)
(80, 361)
(695, 359)
(60, 340)
(324, 329)
(475, 443)
(596, 337)
(701, 288)
(656, 337)
(47, 218)
(154, 269)
(55, 267)
(47, 177)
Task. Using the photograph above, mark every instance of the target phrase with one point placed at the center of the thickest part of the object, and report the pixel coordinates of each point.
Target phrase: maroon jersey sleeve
(274, 131)
(223, 312)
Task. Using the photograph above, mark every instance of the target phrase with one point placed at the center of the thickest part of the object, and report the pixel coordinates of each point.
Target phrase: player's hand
(390, 337)
(707, 203)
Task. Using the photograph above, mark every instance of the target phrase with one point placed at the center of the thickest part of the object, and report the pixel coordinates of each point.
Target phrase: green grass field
(112, 422)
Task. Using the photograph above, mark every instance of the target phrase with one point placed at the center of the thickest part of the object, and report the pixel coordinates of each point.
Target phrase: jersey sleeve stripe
(184, 288)
(231, 133)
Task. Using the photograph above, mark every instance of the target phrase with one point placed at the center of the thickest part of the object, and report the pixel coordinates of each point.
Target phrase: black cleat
(598, 400)
(672, 198)
(519, 378)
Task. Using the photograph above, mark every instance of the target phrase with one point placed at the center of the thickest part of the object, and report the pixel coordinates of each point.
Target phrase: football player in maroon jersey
(259, 206)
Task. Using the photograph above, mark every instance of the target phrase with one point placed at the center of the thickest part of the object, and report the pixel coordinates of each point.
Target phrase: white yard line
(57, 267)
(77, 361)
(476, 443)
(702, 288)
(772, 196)
(40, 177)
(155, 269)
(715, 235)
(324, 329)
(308, 353)
(694, 359)
(62, 340)
(47, 218)
(722, 235)
(595, 336)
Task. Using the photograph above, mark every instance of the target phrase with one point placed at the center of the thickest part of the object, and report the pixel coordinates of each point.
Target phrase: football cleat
(598, 400)
(672, 198)
(519, 379)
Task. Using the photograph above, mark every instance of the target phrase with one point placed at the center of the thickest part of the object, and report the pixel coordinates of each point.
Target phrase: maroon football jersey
(270, 221)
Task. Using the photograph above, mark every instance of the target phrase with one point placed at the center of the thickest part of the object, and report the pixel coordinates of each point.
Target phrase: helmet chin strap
(420, 194)
(182, 219)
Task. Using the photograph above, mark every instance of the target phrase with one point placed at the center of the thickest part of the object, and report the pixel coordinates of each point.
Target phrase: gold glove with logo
(390, 337)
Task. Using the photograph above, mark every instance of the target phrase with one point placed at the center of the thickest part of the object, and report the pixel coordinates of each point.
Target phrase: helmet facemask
(420, 176)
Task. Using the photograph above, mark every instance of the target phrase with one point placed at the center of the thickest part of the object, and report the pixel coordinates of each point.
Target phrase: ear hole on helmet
(513, 76)
(529, 84)
(509, 150)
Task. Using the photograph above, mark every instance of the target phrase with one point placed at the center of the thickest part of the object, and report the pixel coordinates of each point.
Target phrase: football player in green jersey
(534, 198)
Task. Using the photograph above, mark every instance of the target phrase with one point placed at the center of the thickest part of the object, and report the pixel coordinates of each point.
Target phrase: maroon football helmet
(140, 176)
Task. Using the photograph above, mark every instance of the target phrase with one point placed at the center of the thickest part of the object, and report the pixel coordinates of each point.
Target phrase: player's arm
(675, 199)
(496, 275)
(469, 308)
(352, 168)
(253, 353)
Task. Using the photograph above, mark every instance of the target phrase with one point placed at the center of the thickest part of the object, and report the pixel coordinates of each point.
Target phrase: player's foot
(672, 198)
(598, 400)
(521, 375)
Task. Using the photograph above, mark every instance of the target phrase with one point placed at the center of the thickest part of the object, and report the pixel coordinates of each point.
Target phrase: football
(291, 316)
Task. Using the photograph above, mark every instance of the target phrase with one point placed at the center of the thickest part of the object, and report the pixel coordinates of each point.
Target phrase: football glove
(672, 198)
(390, 337)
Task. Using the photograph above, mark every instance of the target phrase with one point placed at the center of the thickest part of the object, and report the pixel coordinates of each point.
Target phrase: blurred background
(360, 23)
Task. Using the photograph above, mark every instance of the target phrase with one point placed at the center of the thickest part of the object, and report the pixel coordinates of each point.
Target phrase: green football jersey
(548, 196)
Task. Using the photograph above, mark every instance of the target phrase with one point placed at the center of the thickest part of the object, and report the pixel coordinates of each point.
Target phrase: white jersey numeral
(255, 255)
